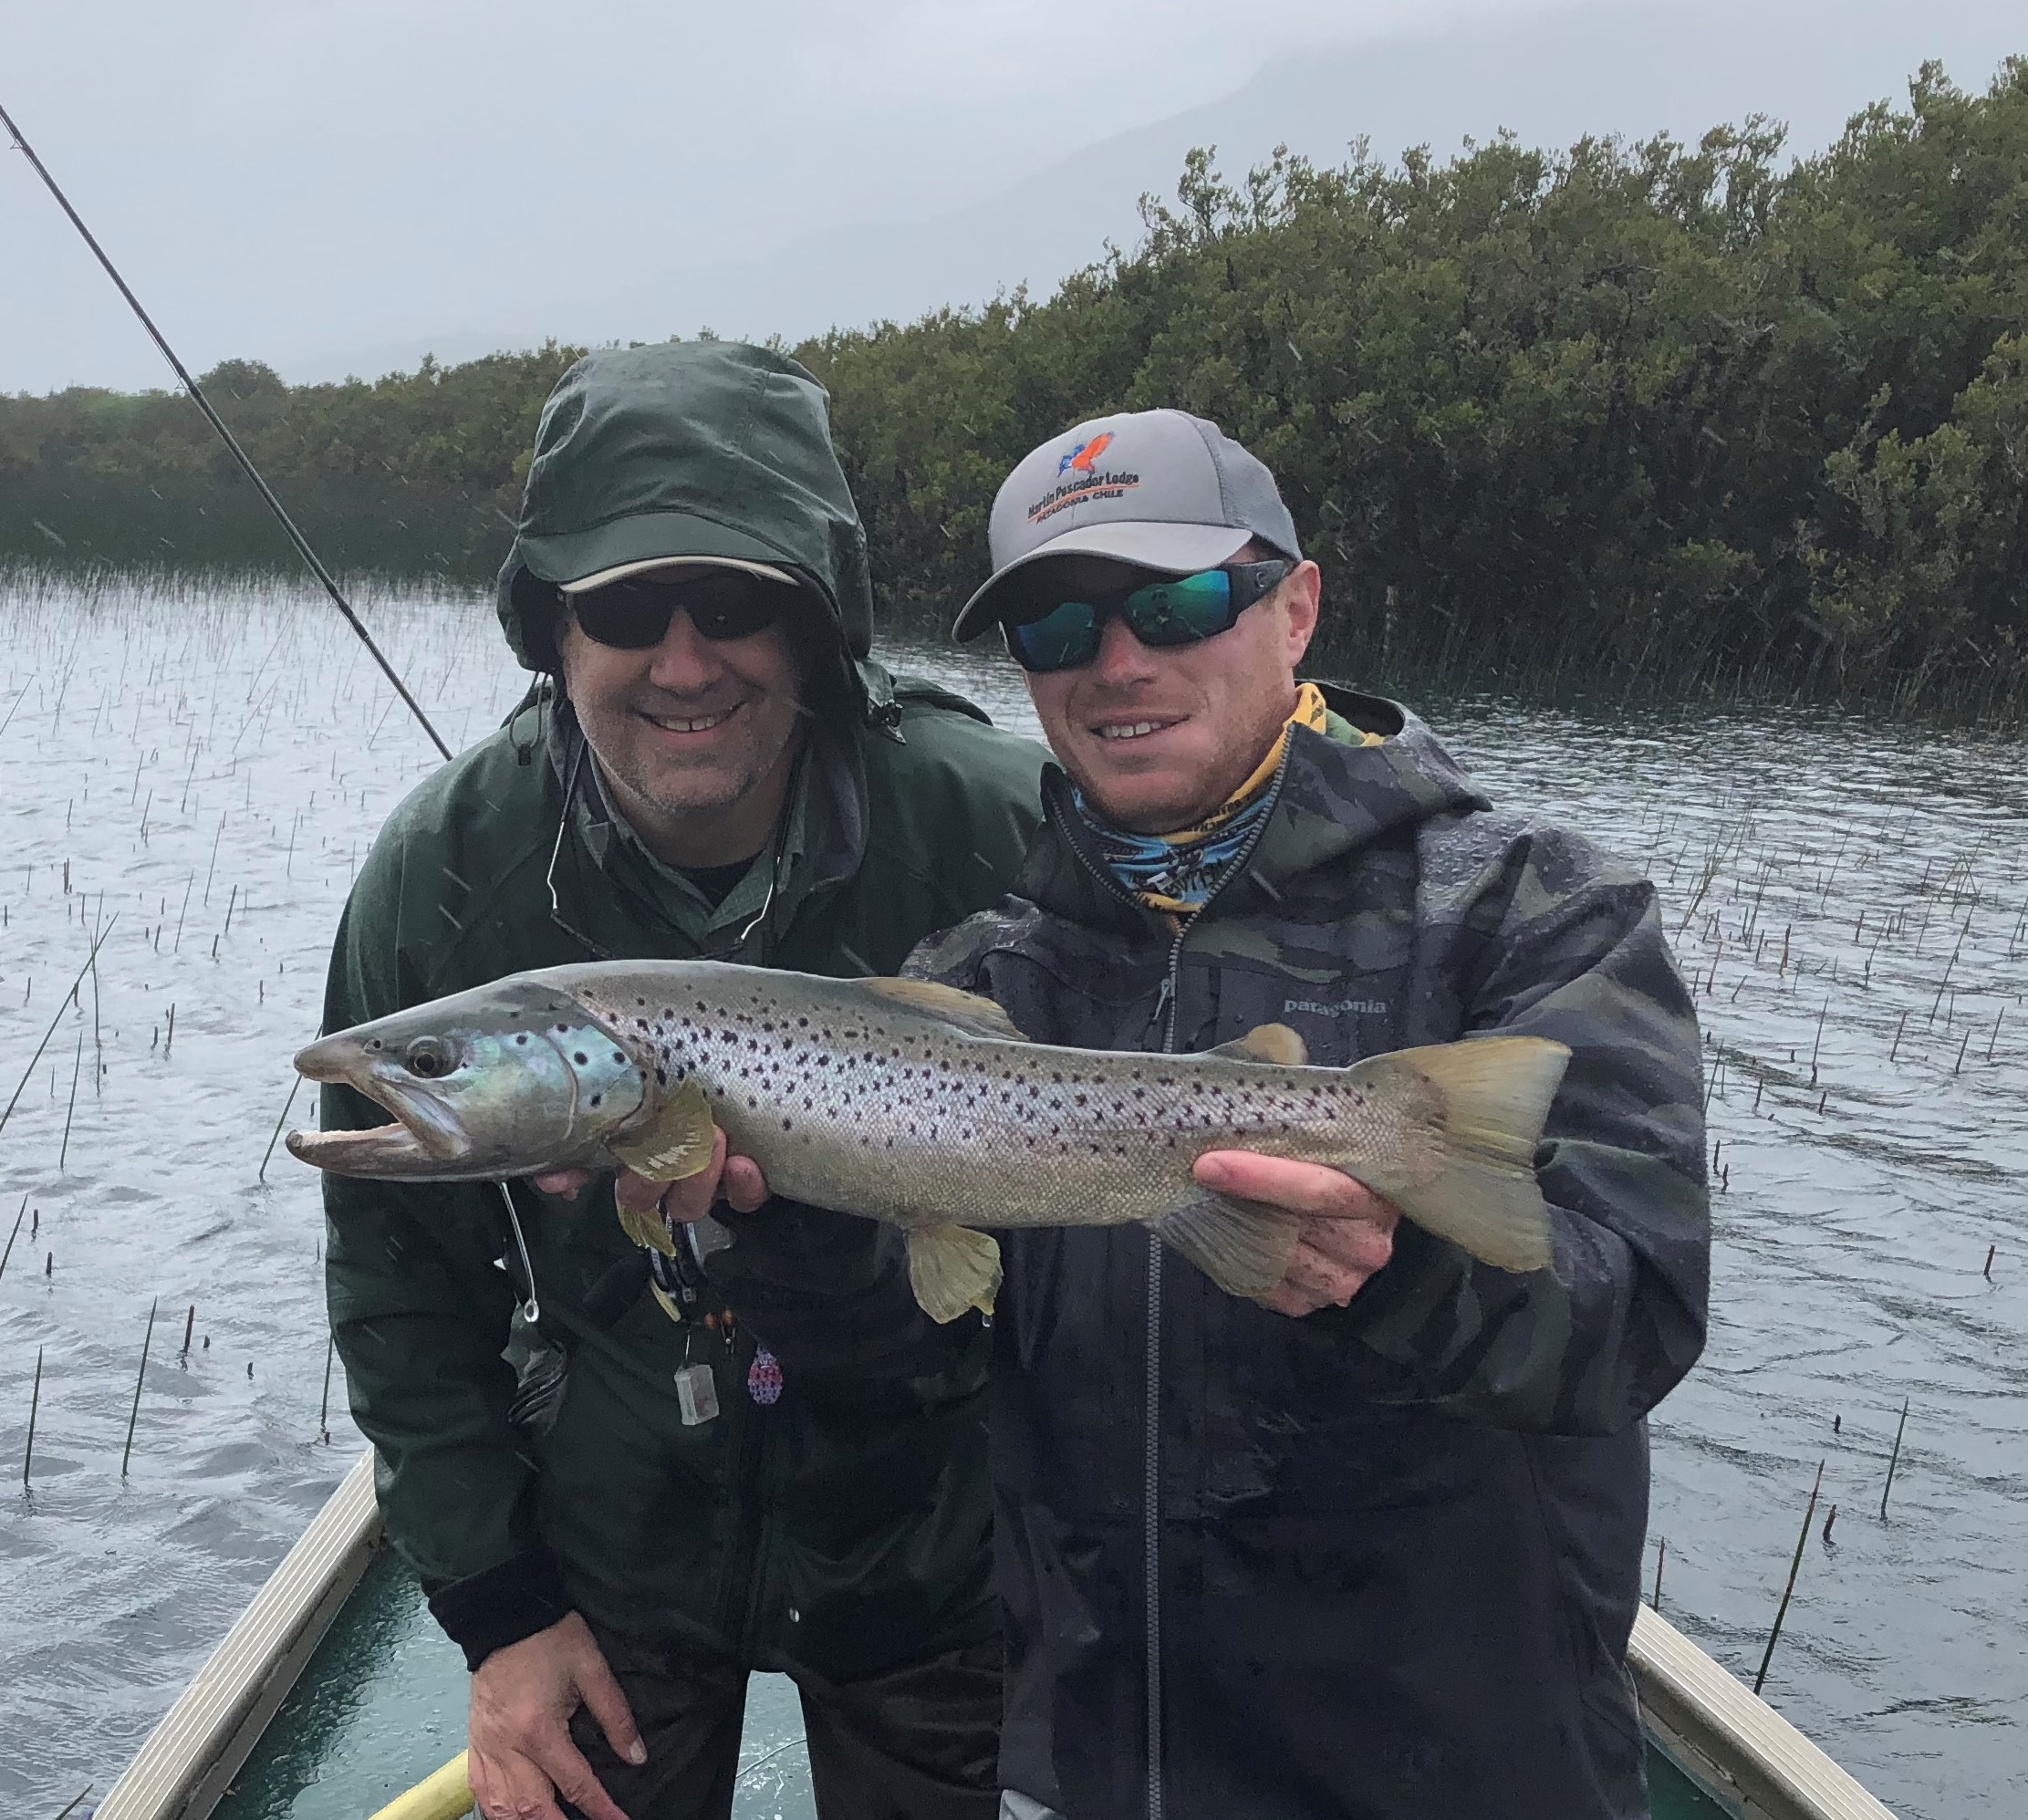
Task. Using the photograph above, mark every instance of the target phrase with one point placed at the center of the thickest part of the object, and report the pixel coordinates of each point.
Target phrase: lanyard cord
(531, 1310)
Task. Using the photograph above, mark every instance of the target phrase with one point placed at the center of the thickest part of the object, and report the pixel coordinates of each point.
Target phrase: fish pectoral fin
(968, 1011)
(1274, 1043)
(952, 1268)
(1242, 1246)
(672, 1142)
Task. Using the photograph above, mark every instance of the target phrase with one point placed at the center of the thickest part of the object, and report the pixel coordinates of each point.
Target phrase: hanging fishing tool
(232, 442)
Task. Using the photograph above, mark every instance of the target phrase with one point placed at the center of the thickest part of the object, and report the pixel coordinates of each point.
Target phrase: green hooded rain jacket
(844, 1528)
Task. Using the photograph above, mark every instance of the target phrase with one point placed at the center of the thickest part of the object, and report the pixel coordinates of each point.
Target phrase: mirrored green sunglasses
(1064, 634)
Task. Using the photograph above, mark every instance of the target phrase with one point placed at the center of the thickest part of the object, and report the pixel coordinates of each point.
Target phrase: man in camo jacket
(1372, 1549)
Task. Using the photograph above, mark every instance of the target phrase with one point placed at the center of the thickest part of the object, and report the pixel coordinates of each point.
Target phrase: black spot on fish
(597, 1099)
(521, 1039)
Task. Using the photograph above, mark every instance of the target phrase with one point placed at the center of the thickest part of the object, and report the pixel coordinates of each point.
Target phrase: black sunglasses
(722, 604)
(1053, 633)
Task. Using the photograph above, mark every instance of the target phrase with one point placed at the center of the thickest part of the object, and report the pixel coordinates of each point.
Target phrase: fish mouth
(426, 1134)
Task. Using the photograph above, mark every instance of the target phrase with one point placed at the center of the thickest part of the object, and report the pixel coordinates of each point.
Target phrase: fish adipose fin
(1274, 1043)
(1242, 1246)
(968, 1011)
(674, 1140)
(1495, 1094)
(952, 1268)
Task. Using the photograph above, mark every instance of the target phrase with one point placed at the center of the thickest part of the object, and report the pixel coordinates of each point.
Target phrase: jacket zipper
(1152, 1407)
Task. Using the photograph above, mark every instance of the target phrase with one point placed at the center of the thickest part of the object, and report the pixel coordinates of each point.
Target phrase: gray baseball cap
(1161, 489)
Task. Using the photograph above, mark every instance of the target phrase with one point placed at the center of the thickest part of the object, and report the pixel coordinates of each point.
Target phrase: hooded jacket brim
(686, 449)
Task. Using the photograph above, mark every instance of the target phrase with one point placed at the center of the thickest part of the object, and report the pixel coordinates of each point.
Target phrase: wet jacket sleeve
(420, 1313)
(1551, 942)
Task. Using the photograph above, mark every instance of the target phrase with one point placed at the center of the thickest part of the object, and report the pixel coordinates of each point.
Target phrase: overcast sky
(338, 187)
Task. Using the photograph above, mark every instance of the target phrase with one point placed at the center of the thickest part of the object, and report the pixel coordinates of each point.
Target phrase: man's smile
(1134, 729)
(689, 723)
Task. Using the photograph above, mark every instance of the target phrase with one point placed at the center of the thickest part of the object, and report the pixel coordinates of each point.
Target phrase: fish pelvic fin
(672, 1142)
(1494, 1094)
(952, 1268)
(1274, 1043)
(1241, 1246)
(647, 1230)
(969, 1012)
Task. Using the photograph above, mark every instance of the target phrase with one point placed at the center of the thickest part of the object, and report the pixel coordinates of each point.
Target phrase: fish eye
(430, 1056)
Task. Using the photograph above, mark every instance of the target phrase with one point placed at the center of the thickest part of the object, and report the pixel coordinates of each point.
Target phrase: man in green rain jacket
(617, 1515)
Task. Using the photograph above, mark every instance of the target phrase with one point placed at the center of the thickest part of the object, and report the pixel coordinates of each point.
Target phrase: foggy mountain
(1604, 68)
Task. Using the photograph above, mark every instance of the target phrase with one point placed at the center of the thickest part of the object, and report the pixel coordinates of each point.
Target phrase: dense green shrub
(1647, 415)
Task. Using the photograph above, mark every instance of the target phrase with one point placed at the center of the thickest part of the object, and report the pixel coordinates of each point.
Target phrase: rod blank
(303, 549)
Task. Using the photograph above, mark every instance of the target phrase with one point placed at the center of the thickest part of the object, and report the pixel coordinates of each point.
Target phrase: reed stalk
(133, 1415)
(35, 1403)
(70, 1111)
(1894, 1459)
(1788, 1592)
(27, 1072)
(296, 1086)
(13, 1235)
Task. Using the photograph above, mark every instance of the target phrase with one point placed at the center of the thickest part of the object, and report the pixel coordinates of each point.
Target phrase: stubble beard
(673, 792)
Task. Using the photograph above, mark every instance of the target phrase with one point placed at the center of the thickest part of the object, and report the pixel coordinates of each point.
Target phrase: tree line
(1649, 415)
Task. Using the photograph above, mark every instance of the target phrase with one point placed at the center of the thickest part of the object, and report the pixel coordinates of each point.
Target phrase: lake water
(192, 774)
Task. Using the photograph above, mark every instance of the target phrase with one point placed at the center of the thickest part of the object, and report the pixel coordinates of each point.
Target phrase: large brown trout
(925, 1107)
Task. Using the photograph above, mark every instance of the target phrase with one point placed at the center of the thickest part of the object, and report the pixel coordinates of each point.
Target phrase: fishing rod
(218, 423)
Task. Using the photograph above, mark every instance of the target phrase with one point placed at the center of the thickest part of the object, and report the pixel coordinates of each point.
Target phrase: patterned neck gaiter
(1176, 873)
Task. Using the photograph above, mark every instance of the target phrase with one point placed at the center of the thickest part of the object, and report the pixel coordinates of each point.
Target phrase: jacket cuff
(488, 1610)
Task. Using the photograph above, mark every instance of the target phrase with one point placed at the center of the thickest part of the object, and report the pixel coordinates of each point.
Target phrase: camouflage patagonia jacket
(1381, 1561)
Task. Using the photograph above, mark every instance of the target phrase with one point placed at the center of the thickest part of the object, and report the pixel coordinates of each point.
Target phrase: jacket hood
(686, 449)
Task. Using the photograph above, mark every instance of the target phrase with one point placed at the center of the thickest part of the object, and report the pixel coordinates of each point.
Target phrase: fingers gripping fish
(924, 1107)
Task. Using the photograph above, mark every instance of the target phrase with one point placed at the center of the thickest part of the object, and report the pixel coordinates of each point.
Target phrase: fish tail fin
(1494, 1094)
(1242, 1246)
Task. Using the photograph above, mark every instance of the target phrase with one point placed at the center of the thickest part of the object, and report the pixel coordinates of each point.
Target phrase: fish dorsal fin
(952, 1268)
(1274, 1043)
(673, 1142)
(968, 1011)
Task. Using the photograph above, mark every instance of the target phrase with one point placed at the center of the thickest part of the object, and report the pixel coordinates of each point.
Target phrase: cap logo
(1082, 481)
(1080, 459)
